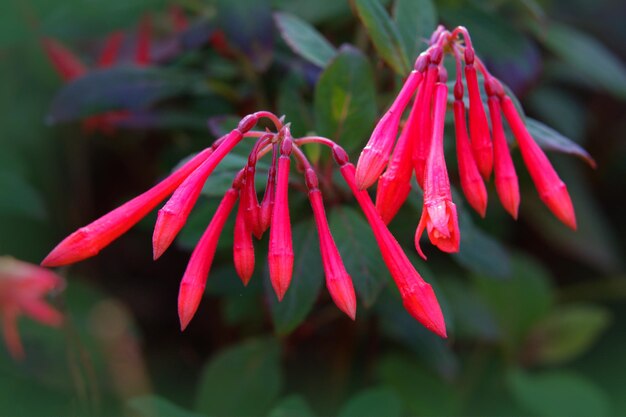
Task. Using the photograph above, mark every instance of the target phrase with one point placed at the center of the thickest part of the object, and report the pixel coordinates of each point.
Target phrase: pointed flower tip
(369, 167)
(74, 248)
(167, 226)
(422, 304)
(189, 298)
(341, 291)
(560, 203)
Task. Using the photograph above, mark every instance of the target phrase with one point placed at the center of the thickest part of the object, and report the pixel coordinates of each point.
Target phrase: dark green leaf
(292, 406)
(243, 380)
(416, 20)
(373, 402)
(292, 103)
(304, 39)
(359, 252)
(306, 283)
(155, 406)
(566, 333)
(120, 88)
(585, 55)
(520, 301)
(345, 99)
(558, 393)
(473, 319)
(551, 140)
(479, 252)
(384, 34)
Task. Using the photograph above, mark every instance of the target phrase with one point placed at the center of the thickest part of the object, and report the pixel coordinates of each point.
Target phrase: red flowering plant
(276, 245)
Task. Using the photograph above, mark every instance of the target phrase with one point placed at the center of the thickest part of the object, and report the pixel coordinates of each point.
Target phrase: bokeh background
(536, 312)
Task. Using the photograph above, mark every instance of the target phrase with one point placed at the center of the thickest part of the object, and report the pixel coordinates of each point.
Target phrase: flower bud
(375, 155)
(194, 280)
(552, 190)
(173, 216)
(505, 176)
(280, 254)
(479, 128)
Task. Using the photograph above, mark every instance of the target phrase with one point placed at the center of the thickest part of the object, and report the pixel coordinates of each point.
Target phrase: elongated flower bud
(243, 248)
(439, 215)
(471, 181)
(249, 199)
(111, 50)
(552, 190)
(178, 18)
(424, 123)
(394, 185)
(194, 281)
(144, 39)
(418, 296)
(338, 281)
(267, 205)
(89, 240)
(173, 215)
(479, 128)
(280, 254)
(375, 155)
(507, 185)
(67, 65)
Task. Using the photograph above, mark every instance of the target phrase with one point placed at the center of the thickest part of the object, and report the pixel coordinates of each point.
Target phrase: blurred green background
(536, 312)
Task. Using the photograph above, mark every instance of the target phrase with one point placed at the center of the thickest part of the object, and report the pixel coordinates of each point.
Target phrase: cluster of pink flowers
(254, 218)
(22, 290)
(419, 147)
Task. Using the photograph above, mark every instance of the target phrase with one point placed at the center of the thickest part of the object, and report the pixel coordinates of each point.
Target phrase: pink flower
(507, 185)
(439, 215)
(338, 281)
(395, 184)
(424, 121)
(111, 49)
(375, 155)
(194, 281)
(280, 254)
(552, 190)
(243, 248)
(23, 287)
(479, 129)
(173, 216)
(144, 36)
(471, 181)
(418, 296)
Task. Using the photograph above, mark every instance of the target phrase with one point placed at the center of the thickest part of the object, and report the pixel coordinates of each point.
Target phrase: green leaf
(291, 102)
(416, 20)
(384, 34)
(420, 390)
(566, 333)
(243, 380)
(306, 283)
(558, 393)
(18, 197)
(292, 406)
(359, 252)
(520, 301)
(586, 55)
(372, 402)
(345, 99)
(120, 88)
(304, 39)
(479, 252)
(155, 406)
(551, 140)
